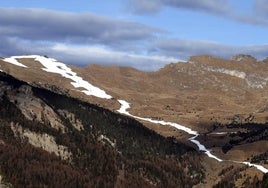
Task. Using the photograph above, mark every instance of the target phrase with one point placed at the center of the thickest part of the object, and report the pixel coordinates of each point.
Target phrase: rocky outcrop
(44, 141)
(244, 58)
(265, 60)
(34, 108)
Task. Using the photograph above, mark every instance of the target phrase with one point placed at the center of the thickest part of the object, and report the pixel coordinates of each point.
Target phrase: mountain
(117, 126)
(49, 139)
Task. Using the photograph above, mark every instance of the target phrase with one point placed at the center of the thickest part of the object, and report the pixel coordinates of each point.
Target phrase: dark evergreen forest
(140, 157)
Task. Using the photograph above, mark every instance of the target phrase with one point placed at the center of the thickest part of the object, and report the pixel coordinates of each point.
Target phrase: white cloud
(144, 6)
(49, 25)
(222, 8)
(185, 48)
(160, 53)
(261, 7)
(82, 39)
(100, 55)
(154, 6)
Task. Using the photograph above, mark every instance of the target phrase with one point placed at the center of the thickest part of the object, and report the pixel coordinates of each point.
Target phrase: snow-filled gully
(123, 110)
(53, 66)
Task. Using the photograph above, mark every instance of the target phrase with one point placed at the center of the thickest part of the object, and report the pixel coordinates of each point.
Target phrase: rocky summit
(201, 123)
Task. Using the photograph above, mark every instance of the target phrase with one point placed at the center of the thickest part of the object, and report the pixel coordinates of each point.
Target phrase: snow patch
(125, 105)
(259, 167)
(222, 133)
(54, 66)
(13, 60)
(204, 149)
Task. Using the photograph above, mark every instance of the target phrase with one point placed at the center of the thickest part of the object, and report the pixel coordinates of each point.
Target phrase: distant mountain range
(56, 116)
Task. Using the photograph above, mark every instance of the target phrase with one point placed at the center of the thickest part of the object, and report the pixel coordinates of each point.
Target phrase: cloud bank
(87, 38)
(261, 7)
(222, 8)
(186, 48)
(154, 6)
(42, 24)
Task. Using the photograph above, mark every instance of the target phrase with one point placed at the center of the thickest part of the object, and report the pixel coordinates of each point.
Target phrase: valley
(218, 114)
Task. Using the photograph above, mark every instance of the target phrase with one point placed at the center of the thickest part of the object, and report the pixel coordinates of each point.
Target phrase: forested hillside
(89, 147)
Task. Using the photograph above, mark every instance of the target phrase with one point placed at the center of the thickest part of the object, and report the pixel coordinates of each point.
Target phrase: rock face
(34, 108)
(43, 141)
(243, 58)
(265, 60)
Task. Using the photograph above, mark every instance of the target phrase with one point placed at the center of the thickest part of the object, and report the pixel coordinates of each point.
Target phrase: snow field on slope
(53, 66)
(13, 60)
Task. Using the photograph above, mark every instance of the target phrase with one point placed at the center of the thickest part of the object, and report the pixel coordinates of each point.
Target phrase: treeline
(255, 132)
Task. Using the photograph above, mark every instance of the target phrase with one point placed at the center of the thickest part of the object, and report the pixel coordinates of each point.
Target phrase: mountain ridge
(158, 92)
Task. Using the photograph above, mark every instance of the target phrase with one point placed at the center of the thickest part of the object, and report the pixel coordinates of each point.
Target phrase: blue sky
(145, 34)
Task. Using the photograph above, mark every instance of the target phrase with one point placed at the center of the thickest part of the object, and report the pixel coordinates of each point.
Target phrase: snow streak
(123, 110)
(53, 66)
(13, 60)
